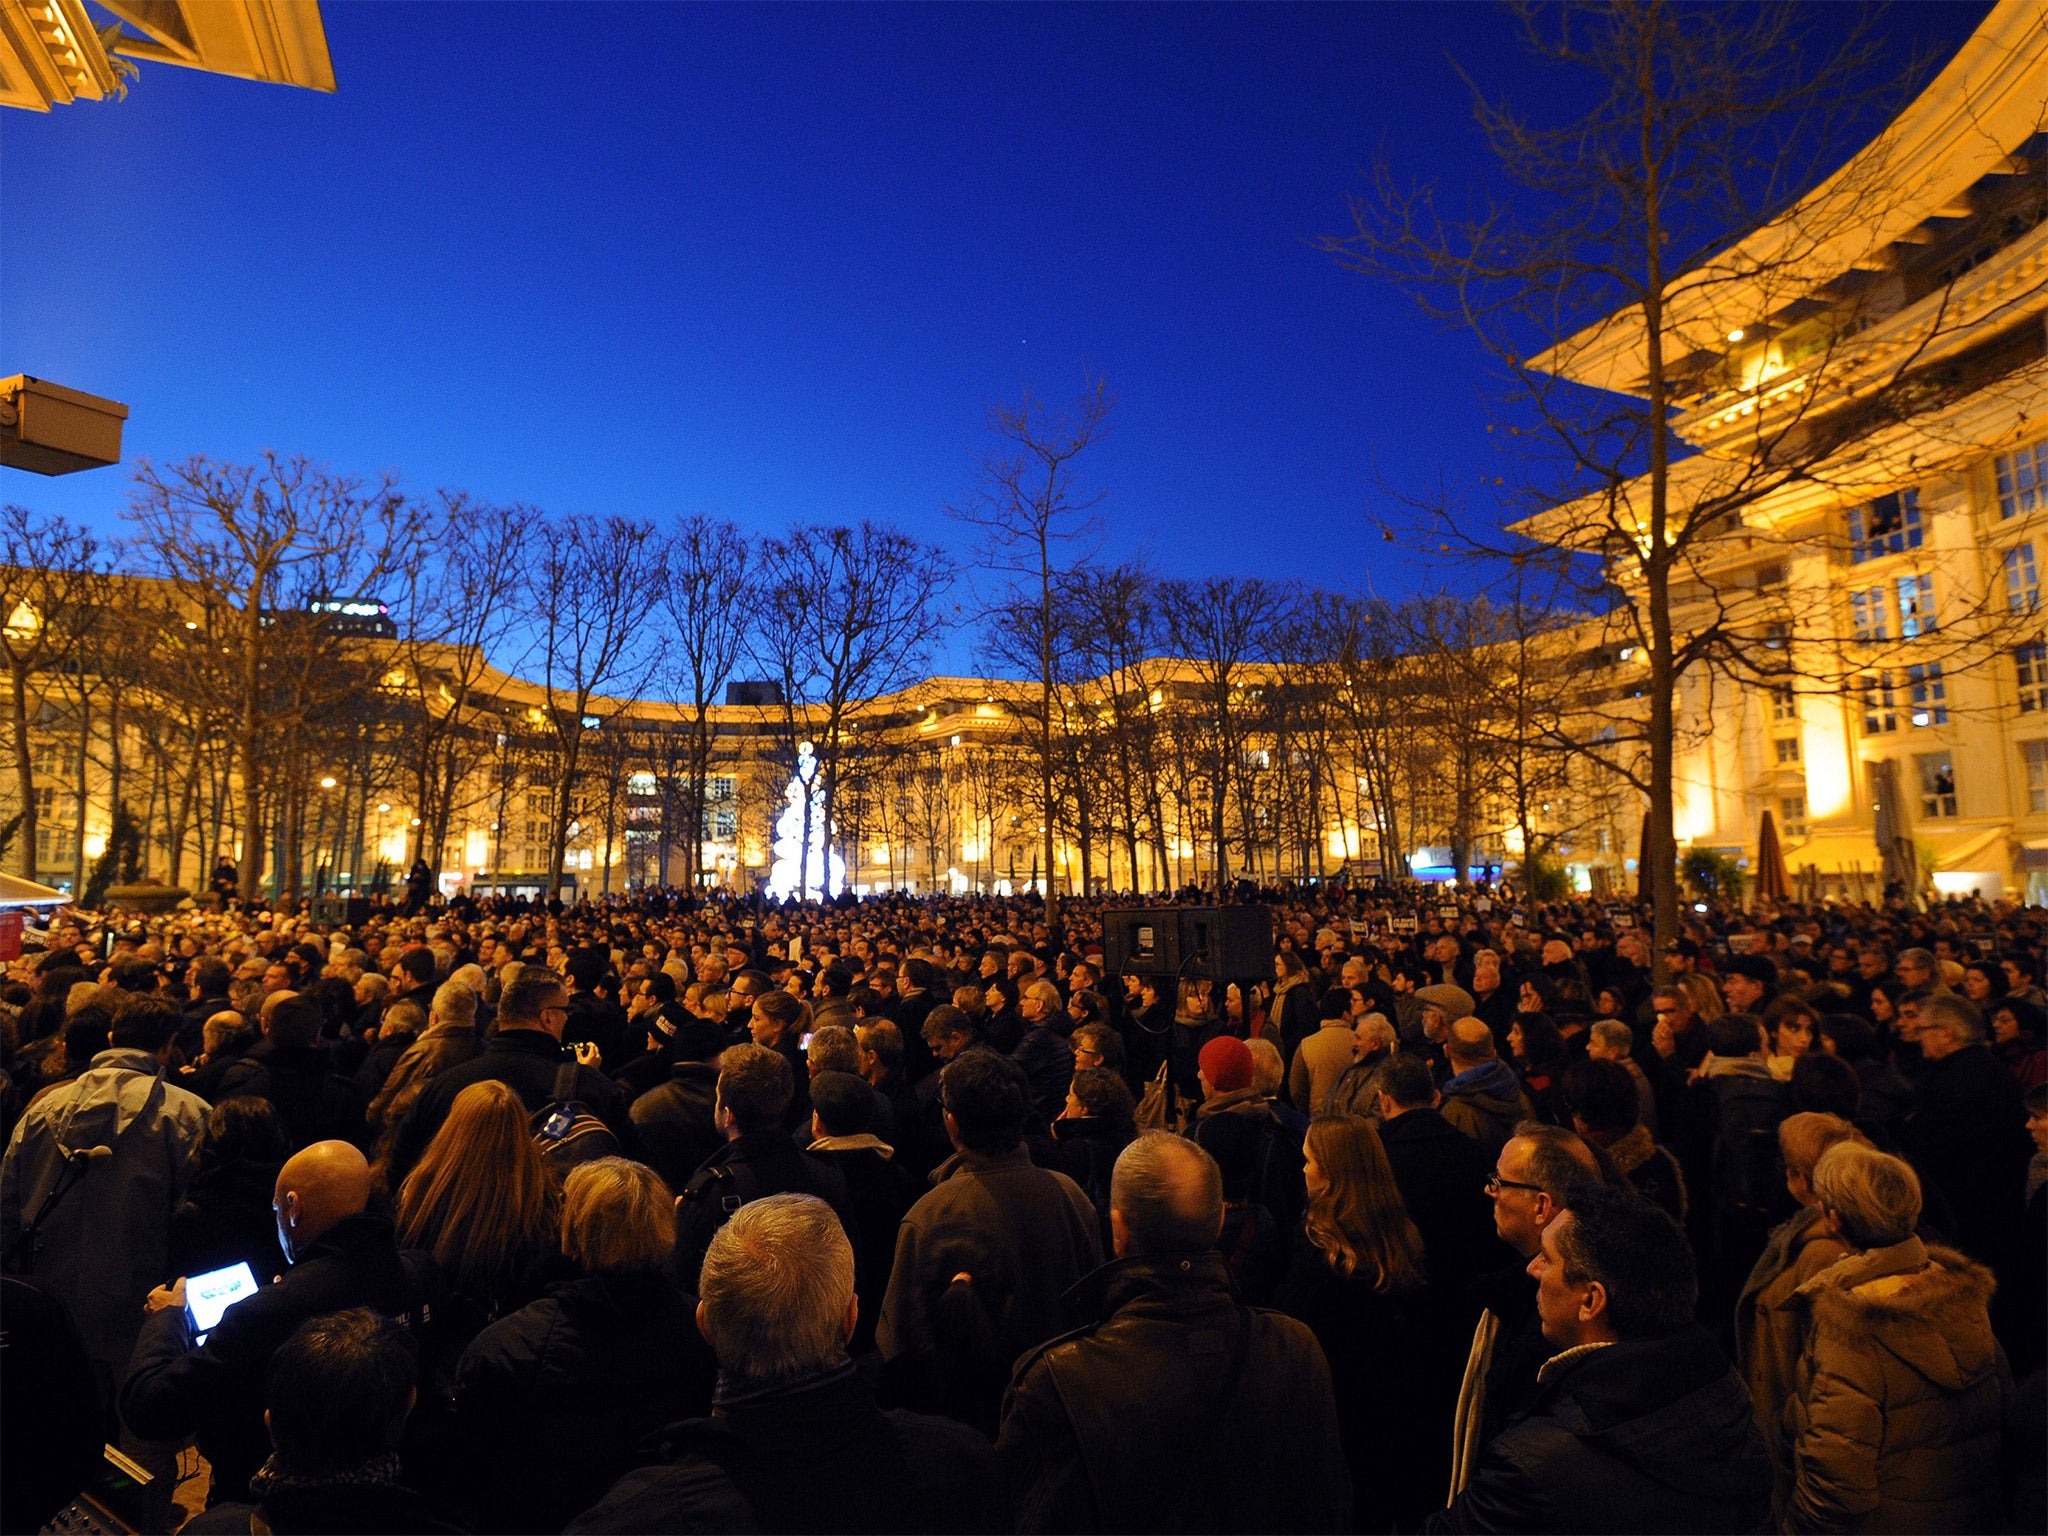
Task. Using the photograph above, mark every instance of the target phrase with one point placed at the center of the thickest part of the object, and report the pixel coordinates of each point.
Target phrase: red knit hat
(1227, 1063)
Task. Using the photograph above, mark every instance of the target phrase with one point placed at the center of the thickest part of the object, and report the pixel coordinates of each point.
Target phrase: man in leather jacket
(1148, 1419)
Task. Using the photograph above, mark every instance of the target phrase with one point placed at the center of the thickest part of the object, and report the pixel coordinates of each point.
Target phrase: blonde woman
(552, 1401)
(1896, 1417)
(1357, 1280)
(1770, 1319)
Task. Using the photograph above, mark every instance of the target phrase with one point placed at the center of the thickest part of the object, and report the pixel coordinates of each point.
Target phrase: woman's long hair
(481, 1199)
(1358, 1222)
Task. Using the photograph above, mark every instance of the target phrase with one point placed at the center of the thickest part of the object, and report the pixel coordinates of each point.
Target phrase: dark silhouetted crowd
(662, 1214)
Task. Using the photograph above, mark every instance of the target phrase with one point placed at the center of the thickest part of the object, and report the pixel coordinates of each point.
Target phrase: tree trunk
(84, 763)
(24, 767)
(246, 745)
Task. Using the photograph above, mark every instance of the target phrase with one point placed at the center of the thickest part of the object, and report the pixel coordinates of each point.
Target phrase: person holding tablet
(340, 1255)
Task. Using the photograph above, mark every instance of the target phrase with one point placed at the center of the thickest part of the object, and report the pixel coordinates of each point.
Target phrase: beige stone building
(1896, 678)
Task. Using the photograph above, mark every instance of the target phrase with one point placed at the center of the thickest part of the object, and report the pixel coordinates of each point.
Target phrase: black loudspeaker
(1227, 943)
(1141, 942)
(1220, 943)
(336, 910)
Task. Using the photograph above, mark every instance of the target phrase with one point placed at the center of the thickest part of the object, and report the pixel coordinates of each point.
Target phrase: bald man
(341, 1256)
(1170, 1357)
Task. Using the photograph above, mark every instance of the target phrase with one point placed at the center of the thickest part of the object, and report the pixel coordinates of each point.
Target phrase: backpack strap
(20, 1258)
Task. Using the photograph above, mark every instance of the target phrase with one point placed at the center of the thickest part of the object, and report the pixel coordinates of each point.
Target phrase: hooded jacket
(1771, 1319)
(106, 1160)
(1643, 1435)
(1895, 1422)
(1486, 1102)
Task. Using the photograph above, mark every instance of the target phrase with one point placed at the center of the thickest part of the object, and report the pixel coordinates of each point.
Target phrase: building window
(1916, 605)
(1937, 784)
(725, 826)
(2035, 755)
(640, 784)
(1792, 811)
(1784, 703)
(2030, 662)
(1867, 614)
(1930, 694)
(1880, 712)
(2022, 579)
(2021, 478)
(1787, 749)
(718, 787)
(1890, 525)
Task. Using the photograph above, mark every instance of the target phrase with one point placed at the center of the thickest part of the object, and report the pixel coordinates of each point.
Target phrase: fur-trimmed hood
(1925, 1304)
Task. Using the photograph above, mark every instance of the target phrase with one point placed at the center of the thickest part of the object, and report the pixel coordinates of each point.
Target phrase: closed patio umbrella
(1771, 881)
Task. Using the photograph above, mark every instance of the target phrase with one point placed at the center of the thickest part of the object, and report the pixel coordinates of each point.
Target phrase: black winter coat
(673, 1122)
(879, 1191)
(601, 1022)
(226, 1219)
(1442, 1173)
(1645, 1435)
(552, 1401)
(1088, 1154)
(1395, 1364)
(526, 1060)
(381, 1057)
(1967, 1136)
(758, 1163)
(216, 1390)
(312, 1100)
(819, 1456)
(1147, 1421)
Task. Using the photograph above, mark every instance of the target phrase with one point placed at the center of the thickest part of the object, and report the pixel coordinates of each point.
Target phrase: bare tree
(705, 595)
(591, 643)
(1357, 646)
(1113, 633)
(1708, 125)
(1036, 527)
(851, 615)
(253, 550)
(1221, 627)
(53, 589)
(457, 610)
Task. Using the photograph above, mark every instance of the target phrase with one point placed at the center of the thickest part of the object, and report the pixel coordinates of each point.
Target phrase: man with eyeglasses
(525, 1054)
(1535, 1168)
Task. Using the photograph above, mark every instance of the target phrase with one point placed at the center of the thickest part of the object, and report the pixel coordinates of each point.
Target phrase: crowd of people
(902, 1214)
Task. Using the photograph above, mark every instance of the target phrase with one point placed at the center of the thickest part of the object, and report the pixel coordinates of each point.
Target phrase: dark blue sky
(771, 262)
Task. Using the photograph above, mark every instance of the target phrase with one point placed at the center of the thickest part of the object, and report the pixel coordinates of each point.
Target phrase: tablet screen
(209, 1295)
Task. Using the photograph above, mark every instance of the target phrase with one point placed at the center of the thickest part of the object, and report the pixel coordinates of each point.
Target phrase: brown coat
(1770, 1322)
(441, 1047)
(1896, 1420)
